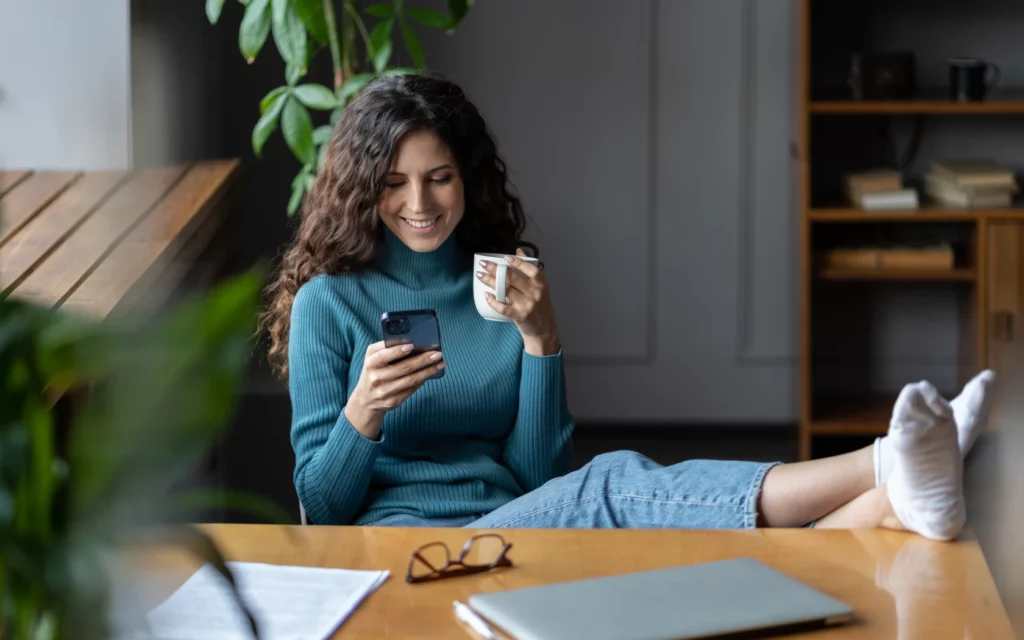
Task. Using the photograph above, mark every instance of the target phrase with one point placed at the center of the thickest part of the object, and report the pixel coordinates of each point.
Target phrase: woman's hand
(528, 303)
(385, 384)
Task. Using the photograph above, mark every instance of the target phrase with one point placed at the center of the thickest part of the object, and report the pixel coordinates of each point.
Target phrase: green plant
(301, 30)
(153, 399)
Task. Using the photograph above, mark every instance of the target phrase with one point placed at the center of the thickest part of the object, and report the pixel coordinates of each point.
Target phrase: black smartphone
(419, 328)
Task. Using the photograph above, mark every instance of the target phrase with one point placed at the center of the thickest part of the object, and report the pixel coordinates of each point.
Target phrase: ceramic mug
(480, 290)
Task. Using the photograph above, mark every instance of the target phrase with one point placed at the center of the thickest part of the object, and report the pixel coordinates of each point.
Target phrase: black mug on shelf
(971, 78)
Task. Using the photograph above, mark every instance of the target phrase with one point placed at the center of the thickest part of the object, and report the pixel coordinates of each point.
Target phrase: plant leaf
(300, 184)
(270, 97)
(298, 130)
(267, 123)
(380, 10)
(255, 29)
(321, 156)
(336, 115)
(380, 35)
(457, 9)
(429, 18)
(380, 59)
(289, 33)
(311, 13)
(398, 71)
(213, 9)
(322, 135)
(316, 96)
(353, 85)
(203, 547)
(412, 44)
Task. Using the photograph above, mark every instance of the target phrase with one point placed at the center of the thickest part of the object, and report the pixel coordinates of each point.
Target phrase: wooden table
(102, 242)
(900, 585)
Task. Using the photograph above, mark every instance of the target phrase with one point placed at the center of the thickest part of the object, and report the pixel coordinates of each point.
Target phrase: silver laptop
(693, 601)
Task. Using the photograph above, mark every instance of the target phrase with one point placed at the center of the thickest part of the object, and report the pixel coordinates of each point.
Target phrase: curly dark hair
(339, 228)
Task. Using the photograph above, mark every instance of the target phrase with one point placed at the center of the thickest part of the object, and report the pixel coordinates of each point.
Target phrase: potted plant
(358, 35)
(148, 402)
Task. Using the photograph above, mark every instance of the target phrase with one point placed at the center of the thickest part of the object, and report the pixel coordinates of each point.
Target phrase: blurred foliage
(148, 402)
(301, 29)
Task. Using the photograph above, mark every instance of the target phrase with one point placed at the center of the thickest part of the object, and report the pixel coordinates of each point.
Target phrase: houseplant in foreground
(149, 401)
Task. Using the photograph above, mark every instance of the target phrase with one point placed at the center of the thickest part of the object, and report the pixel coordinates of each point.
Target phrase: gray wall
(177, 76)
(650, 141)
(651, 146)
(64, 84)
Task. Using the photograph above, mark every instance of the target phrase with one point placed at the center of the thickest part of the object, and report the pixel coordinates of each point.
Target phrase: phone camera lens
(398, 326)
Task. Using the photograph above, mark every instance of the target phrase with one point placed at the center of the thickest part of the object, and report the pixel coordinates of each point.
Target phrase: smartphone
(419, 328)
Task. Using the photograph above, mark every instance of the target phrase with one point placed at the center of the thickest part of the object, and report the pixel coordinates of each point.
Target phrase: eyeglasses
(481, 553)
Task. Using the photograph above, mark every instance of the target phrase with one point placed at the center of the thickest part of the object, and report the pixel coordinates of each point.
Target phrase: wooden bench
(102, 243)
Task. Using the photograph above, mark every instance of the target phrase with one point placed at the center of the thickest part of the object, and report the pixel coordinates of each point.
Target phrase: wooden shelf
(851, 416)
(855, 415)
(927, 214)
(853, 313)
(906, 275)
(934, 102)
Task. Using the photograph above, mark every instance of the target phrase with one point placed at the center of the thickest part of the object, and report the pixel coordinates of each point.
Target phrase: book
(974, 173)
(947, 193)
(872, 181)
(888, 200)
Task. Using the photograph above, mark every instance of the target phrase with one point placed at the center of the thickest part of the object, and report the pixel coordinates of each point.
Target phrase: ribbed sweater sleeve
(333, 461)
(539, 447)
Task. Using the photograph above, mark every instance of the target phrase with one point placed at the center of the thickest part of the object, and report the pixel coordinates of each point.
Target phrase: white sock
(926, 483)
(970, 410)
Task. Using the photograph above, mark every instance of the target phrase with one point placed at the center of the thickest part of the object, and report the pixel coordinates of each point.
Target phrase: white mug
(480, 290)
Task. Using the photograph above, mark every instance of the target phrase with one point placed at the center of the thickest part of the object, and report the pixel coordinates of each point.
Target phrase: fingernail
(480, 274)
(435, 356)
(440, 366)
(483, 263)
(407, 348)
(510, 259)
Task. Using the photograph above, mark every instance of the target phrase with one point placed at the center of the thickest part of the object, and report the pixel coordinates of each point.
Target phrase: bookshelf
(851, 365)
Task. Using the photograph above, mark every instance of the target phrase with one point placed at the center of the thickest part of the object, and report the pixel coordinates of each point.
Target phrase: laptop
(714, 599)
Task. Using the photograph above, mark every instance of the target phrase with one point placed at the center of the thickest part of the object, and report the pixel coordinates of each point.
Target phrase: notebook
(287, 602)
(693, 601)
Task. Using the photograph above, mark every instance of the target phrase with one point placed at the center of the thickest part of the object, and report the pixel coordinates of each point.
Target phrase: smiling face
(423, 198)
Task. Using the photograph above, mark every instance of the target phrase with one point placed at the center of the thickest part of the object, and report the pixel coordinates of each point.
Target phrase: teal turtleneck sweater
(493, 428)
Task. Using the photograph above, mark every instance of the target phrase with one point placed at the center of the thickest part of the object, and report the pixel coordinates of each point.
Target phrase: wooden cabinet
(866, 331)
(1004, 340)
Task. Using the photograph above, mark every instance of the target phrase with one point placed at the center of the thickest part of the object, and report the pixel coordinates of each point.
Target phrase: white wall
(64, 84)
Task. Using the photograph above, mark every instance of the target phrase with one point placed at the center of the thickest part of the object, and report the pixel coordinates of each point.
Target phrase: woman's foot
(925, 487)
(970, 412)
(971, 409)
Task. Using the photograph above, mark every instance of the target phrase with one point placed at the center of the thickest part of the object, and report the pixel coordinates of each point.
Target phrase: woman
(412, 186)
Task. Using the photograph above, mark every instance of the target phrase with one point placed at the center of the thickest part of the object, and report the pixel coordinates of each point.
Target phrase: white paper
(289, 603)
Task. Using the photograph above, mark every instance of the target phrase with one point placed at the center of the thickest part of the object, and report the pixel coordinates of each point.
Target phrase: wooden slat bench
(101, 243)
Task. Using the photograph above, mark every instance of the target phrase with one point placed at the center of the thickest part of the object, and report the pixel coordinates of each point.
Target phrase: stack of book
(970, 184)
(939, 256)
(879, 190)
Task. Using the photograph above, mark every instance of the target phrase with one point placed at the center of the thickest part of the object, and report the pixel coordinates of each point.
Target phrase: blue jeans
(629, 491)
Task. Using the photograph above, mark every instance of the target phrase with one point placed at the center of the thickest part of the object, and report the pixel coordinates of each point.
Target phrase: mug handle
(994, 75)
(499, 281)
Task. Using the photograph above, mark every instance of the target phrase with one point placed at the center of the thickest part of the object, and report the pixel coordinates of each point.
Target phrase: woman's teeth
(419, 224)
